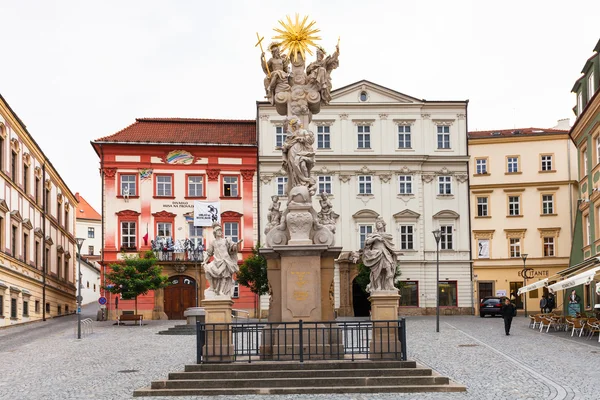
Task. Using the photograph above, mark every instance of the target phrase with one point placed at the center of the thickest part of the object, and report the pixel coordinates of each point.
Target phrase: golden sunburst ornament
(296, 37)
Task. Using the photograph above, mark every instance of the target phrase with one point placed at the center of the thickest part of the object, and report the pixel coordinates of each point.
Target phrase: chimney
(564, 124)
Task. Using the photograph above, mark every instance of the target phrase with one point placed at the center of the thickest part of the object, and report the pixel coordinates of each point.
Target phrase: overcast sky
(75, 71)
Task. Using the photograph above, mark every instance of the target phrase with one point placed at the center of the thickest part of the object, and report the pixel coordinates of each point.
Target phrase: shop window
(37, 306)
(25, 308)
(409, 294)
(448, 294)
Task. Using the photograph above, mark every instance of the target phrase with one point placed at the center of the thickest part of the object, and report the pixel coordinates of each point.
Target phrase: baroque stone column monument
(300, 245)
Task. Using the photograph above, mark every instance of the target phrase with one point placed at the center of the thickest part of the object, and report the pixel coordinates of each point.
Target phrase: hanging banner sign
(206, 213)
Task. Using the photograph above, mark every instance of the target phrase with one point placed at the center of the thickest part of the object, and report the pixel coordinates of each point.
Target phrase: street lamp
(524, 257)
(437, 234)
(79, 298)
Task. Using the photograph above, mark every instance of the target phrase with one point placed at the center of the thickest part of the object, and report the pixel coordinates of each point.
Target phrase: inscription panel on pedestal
(301, 286)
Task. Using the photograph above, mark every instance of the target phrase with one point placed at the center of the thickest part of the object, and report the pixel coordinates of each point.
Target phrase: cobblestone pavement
(115, 360)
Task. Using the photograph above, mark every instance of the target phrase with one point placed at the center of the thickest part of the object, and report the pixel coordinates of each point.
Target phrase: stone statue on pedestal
(379, 255)
(274, 216)
(299, 156)
(220, 271)
(327, 217)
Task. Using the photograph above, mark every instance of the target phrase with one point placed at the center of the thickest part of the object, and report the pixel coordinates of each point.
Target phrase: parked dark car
(491, 306)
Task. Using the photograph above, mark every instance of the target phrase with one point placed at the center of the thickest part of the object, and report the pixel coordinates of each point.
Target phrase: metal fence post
(301, 341)
(403, 339)
(200, 339)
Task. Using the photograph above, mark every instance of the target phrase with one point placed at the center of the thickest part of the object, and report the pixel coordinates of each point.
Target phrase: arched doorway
(179, 295)
(360, 301)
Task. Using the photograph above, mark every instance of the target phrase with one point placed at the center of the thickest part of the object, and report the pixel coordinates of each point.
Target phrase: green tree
(253, 274)
(364, 277)
(135, 276)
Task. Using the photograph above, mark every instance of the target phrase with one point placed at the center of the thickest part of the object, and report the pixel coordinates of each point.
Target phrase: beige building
(523, 197)
(37, 229)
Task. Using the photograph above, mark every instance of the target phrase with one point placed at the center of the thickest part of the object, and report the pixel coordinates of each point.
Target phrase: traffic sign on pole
(102, 300)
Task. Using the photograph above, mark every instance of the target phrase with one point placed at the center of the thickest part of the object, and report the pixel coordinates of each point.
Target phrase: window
(66, 266)
(25, 180)
(164, 185)
(409, 294)
(546, 163)
(515, 247)
(597, 149)
(91, 232)
(48, 308)
(37, 306)
(481, 166)
(66, 308)
(195, 186)
(364, 231)
(231, 231)
(13, 241)
(94, 287)
(585, 161)
(514, 205)
(13, 308)
(323, 137)
(444, 185)
(25, 308)
(364, 184)
(59, 309)
(13, 166)
(579, 103)
(591, 86)
(47, 260)
(128, 182)
(58, 213)
(280, 136)
(236, 290)
(325, 184)
(407, 237)
(1, 305)
(58, 266)
(1, 153)
(66, 218)
(482, 206)
(195, 231)
(405, 184)
(47, 201)
(512, 164)
(37, 254)
(128, 232)
(446, 237)
(163, 229)
(281, 185)
(549, 247)
(87, 284)
(447, 294)
(364, 136)
(37, 189)
(90, 250)
(25, 247)
(404, 139)
(443, 137)
(547, 204)
(230, 186)
(363, 96)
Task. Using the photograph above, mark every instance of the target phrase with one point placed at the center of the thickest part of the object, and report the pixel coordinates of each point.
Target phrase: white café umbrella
(579, 279)
(533, 286)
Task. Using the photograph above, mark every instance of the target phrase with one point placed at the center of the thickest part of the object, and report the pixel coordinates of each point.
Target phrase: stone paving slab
(115, 360)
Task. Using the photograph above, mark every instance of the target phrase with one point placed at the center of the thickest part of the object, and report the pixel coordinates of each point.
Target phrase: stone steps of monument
(182, 329)
(295, 365)
(300, 390)
(324, 377)
(332, 373)
(311, 381)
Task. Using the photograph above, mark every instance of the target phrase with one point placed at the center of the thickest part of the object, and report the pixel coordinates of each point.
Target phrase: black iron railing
(301, 341)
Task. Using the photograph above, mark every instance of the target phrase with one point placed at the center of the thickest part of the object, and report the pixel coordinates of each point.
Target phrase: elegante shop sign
(533, 273)
(178, 204)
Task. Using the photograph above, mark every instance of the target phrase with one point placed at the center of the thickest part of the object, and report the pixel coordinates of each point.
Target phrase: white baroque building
(383, 153)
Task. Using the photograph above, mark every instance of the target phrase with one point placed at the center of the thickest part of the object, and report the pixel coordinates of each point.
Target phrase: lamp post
(79, 298)
(437, 234)
(524, 257)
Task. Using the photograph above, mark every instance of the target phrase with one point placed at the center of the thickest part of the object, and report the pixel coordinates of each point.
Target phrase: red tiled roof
(85, 211)
(515, 132)
(187, 130)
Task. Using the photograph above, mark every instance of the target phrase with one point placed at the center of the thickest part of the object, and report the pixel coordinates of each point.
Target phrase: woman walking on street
(508, 311)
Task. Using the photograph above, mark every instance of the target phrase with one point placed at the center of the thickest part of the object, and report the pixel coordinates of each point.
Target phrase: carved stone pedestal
(385, 340)
(218, 345)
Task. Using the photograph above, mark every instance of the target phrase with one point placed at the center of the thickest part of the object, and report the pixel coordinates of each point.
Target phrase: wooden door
(179, 296)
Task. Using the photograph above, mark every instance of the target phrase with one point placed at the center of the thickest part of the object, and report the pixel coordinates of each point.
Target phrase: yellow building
(37, 229)
(523, 197)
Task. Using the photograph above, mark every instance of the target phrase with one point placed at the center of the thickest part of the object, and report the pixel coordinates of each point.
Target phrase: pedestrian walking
(508, 311)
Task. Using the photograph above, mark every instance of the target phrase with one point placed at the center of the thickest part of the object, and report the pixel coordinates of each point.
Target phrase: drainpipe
(43, 247)
(102, 266)
(469, 213)
(571, 221)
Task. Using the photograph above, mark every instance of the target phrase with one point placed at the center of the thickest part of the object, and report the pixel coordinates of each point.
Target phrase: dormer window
(591, 85)
(579, 103)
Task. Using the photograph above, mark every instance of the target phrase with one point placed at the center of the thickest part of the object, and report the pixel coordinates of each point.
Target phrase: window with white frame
(91, 232)
(515, 247)
(482, 206)
(549, 247)
(598, 149)
(514, 205)
(579, 103)
(128, 181)
(164, 185)
(585, 161)
(446, 237)
(481, 166)
(236, 290)
(128, 234)
(444, 185)
(195, 186)
(230, 186)
(364, 184)
(281, 185)
(547, 204)
(512, 164)
(547, 162)
(325, 184)
(405, 184)
(443, 137)
(323, 137)
(280, 136)
(407, 239)
(364, 136)
(231, 231)
(195, 231)
(363, 232)
(164, 229)
(588, 232)
(404, 138)
(591, 85)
